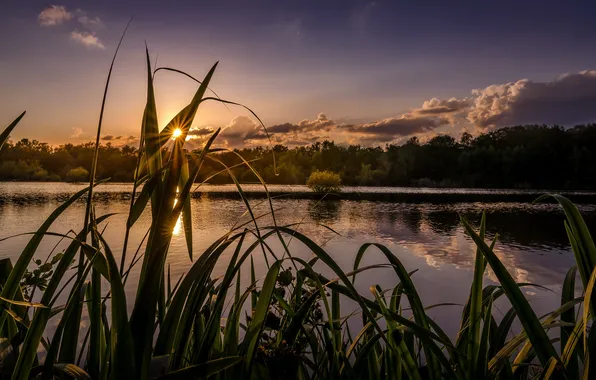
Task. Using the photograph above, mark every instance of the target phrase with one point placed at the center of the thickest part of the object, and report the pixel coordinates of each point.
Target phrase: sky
(356, 72)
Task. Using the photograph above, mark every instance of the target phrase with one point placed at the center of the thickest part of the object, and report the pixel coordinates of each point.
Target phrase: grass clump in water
(324, 182)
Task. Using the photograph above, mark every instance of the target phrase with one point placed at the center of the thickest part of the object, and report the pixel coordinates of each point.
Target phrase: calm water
(426, 236)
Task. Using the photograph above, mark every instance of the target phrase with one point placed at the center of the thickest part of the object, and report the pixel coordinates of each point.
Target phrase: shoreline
(122, 191)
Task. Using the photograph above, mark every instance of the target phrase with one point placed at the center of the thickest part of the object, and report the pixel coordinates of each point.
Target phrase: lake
(424, 233)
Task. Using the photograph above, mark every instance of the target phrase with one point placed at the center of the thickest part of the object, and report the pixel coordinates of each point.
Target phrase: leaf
(260, 313)
(540, 341)
(41, 315)
(122, 348)
(196, 274)
(398, 344)
(22, 303)
(13, 281)
(6, 133)
(143, 198)
(413, 298)
(186, 211)
(61, 339)
(203, 370)
(583, 245)
(475, 313)
(183, 120)
(568, 294)
(64, 371)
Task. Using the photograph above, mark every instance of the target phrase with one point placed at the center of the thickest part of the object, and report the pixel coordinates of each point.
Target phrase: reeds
(294, 327)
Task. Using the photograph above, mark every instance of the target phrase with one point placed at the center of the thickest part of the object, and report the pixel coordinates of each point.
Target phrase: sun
(177, 133)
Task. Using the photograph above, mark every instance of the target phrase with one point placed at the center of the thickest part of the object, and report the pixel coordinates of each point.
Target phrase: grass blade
(203, 370)
(536, 334)
(122, 348)
(6, 133)
(12, 284)
(262, 308)
(568, 294)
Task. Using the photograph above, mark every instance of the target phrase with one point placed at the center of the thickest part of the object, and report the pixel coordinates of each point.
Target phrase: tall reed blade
(540, 341)
(12, 284)
(475, 315)
(6, 133)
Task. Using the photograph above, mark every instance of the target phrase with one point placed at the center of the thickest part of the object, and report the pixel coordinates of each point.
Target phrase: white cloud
(76, 133)
(89, 21)
(86, 38)
(54, 15)
(567, 100)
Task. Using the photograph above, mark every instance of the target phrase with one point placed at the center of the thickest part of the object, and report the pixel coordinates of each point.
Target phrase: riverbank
(31, 191)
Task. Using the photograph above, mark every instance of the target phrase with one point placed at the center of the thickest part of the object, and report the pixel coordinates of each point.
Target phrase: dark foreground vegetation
(288, 324)
(530, 156)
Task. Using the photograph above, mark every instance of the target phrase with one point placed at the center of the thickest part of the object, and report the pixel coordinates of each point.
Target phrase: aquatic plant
(324, 182)
(79, 174)
(290, 324)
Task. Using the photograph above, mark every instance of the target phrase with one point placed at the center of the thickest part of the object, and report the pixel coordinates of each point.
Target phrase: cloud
(243, 131)
(120, 141)
(54, 15)
(84, 19)
(321, 123)
(567, 100)
(198, 132)
(58, 14)
(435, 106)
(76, 133)
(392, 128)
(89, 21)
(112, 137)
(239, 130)
(86, 38)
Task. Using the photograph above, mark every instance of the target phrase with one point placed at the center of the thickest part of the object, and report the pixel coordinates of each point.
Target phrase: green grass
(198, 328)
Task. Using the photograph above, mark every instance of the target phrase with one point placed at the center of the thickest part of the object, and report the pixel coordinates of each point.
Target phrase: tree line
(529, 156)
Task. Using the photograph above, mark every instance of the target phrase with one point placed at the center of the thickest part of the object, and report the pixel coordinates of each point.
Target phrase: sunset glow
(357, 72)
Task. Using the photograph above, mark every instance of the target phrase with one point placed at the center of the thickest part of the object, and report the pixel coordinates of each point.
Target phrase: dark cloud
(321, 123)
(112, 138)
(567, 100)
(389, 129)
(200, 131)
(283, 128)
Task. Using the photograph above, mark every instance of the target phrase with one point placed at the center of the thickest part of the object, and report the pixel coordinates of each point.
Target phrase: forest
(530, 156)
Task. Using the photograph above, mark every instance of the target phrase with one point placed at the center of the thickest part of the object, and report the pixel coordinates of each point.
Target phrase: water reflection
(324, 211)
(532, 241)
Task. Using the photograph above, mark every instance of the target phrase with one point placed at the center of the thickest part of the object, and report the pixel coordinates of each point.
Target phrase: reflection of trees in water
(443, 222)
(412, 219)
(519, 228)
(324, 211)
(531, 229)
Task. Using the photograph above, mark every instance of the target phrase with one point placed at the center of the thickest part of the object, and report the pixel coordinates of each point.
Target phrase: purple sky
(353, 71)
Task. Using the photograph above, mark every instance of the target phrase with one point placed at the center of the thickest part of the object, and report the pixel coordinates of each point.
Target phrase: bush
(77, 174)
(324, 182)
